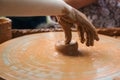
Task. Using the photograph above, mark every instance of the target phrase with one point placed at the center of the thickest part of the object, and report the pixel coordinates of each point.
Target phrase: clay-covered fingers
(74, 17)
(85, 26)
(81, 33)
(91, 35)
(66, 27)
(96, 36)
(90, 38)
(93, 30)
(87, 33)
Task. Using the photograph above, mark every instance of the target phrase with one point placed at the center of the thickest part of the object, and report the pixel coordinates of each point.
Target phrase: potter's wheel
(33, 57)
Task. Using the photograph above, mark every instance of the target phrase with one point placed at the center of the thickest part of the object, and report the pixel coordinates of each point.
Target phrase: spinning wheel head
(34, 57)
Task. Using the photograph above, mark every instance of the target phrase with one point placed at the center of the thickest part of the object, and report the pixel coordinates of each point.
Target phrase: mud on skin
(86, 30)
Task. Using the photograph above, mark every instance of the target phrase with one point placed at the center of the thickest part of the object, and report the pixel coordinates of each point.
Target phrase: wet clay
(70, 49)
(33, 57)
(86, 30)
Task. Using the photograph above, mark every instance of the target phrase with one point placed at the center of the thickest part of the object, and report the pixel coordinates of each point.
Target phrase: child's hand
(86, 30)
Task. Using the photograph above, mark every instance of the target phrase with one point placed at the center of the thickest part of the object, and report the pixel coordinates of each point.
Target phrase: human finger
(81, 33)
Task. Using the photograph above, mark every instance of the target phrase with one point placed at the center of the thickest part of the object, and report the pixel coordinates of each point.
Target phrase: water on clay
(33, 57)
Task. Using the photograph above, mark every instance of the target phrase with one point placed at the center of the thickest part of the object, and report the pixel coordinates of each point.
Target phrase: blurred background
(103, 14)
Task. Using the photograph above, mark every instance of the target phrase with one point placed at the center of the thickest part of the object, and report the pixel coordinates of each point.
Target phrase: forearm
(80, 3)
(32, 7)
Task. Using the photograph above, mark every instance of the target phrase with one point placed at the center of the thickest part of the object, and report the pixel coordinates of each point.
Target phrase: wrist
(67, 9)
